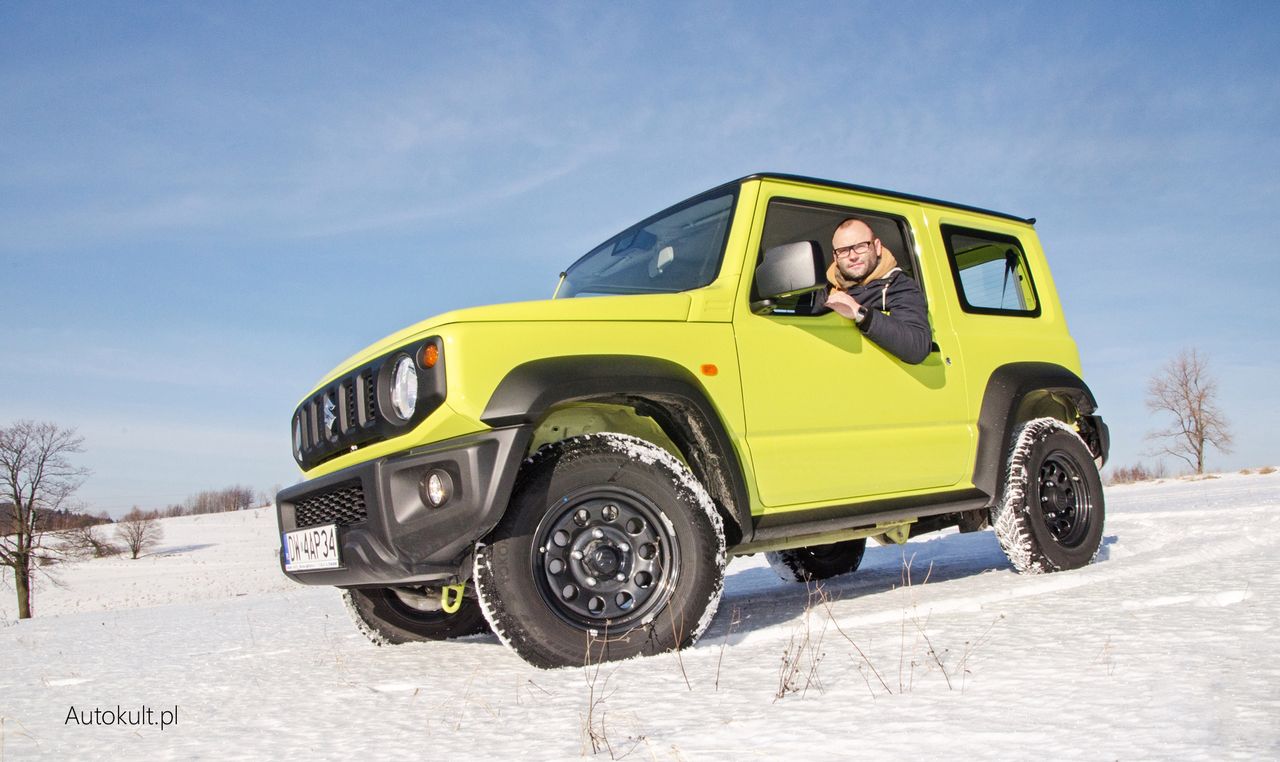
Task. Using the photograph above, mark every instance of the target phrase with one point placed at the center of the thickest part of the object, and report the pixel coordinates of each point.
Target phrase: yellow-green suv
(574, 473)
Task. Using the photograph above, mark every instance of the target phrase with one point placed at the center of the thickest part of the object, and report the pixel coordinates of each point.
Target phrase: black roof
(882, 192)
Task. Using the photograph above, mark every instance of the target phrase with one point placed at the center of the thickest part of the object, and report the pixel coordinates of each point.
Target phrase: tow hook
(451, 597)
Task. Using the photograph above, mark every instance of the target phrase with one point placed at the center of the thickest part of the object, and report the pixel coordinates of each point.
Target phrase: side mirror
(788, 270)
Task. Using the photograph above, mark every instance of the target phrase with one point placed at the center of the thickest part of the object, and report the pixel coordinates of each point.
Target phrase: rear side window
(991, 274)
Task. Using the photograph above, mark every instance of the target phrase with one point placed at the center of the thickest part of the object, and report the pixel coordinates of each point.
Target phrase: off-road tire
(609, 549)
(391, 616)
(817, 561)
(1051, 514)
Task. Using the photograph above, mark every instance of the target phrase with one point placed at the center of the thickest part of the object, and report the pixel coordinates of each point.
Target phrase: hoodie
(896, 316)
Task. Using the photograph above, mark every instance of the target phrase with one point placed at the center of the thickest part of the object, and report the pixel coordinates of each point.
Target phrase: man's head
(857, 250)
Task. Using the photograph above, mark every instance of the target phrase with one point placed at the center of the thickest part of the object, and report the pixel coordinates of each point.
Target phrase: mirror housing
(788, 270)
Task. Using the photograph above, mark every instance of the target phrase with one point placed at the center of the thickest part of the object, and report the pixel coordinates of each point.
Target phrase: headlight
(404, 388)
(297, 437)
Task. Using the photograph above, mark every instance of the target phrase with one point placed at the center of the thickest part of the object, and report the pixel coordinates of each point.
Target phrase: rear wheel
(609, 549)
(1051, 515)
(394, 615)
(818, 561)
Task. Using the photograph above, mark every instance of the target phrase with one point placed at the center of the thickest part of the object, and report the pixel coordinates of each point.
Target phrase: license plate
(312, 548)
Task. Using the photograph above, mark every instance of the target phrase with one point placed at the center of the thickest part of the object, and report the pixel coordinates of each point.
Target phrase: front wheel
(395, 615)
(610, 548)
(1051, 514)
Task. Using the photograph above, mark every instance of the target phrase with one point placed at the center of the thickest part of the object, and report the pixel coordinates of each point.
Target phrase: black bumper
(397, 539)
(1097, 435)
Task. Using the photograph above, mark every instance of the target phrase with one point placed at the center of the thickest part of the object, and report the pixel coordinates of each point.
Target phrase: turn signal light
(709, 369)
(430, 356)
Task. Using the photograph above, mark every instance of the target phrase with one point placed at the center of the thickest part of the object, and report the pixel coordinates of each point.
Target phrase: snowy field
(1164, 648)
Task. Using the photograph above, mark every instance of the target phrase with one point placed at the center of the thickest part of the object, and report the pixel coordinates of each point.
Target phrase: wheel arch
(667, 393)
(1018, 392)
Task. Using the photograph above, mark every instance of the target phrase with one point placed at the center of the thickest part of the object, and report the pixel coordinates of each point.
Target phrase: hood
(630, 308)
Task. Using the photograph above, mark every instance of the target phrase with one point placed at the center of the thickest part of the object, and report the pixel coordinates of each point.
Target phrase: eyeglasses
(857, 248)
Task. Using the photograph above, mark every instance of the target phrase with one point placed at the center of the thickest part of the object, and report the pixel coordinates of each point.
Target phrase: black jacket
(896, 317)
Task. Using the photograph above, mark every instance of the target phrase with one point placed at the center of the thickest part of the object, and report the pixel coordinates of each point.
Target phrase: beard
(851, 275)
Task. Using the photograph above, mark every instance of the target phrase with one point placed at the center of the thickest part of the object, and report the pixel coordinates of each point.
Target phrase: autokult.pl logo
(131, 717)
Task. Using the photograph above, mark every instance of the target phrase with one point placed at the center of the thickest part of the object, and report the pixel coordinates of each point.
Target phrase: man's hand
(842, 304)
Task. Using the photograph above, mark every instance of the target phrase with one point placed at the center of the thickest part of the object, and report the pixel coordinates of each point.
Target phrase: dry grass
(798, 671)
(595, 730)
(917, 651)
(1138, 472)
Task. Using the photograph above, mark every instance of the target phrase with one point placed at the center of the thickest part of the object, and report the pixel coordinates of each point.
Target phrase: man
(869, 288)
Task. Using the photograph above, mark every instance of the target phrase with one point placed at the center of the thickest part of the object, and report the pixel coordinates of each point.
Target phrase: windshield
(678, 250)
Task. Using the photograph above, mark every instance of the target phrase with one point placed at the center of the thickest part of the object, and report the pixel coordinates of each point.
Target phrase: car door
(830, 416)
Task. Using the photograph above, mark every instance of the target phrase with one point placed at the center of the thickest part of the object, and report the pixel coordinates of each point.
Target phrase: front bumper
(386, 534)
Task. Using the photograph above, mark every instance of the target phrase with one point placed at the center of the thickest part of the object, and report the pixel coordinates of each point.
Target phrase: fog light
(436, 488)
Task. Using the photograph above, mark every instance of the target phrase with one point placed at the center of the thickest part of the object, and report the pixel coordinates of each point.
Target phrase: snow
(1161, 648)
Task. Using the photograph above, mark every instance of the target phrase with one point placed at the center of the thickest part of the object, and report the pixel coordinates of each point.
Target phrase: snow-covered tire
(609, 549)
(1051, 514)
(817, 561)
(391, 616)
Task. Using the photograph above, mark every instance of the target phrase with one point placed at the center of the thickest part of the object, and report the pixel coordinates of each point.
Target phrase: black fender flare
(1006, 388)
(658, 388)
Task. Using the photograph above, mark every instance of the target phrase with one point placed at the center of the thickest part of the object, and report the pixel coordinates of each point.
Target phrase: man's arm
(905, 331)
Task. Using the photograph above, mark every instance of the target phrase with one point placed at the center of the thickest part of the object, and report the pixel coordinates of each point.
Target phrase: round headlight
(297, 437)
(404, 388)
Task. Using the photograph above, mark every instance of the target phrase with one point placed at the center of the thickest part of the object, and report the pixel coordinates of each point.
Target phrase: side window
(990, 270)
(789, 220)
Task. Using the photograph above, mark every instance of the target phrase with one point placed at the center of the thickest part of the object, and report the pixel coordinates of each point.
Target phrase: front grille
(352, 399)
(349, 403)
(342, 505)
(370, 395)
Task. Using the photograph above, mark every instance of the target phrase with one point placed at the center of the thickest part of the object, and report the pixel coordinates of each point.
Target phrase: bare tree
(234, 498)
(139, 530)
(36, 478)
(85, 542)
(1186, 390)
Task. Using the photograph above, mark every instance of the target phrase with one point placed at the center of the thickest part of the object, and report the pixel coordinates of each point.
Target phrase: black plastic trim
(661, 389)
(797, 524)
(1097, 435)
(402, 540)
(1006, 388)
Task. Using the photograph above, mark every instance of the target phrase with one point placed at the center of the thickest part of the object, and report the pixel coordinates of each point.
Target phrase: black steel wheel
(395, 615)
(1052, 512)
(818, 561)
(609, 549)
(605, 554)
(1064, 499)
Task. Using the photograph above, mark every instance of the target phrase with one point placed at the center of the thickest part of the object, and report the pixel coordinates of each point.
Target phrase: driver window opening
(789, 221)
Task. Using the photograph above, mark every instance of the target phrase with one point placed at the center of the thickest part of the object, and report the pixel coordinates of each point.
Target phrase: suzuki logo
(330, 414)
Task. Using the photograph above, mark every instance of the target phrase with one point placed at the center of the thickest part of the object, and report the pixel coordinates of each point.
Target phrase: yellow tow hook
(451, 597)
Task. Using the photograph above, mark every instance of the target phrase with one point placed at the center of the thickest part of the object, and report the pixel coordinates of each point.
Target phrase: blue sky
(204, 207)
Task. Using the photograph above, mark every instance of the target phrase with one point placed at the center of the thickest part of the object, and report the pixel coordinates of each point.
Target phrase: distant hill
(48, 521)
